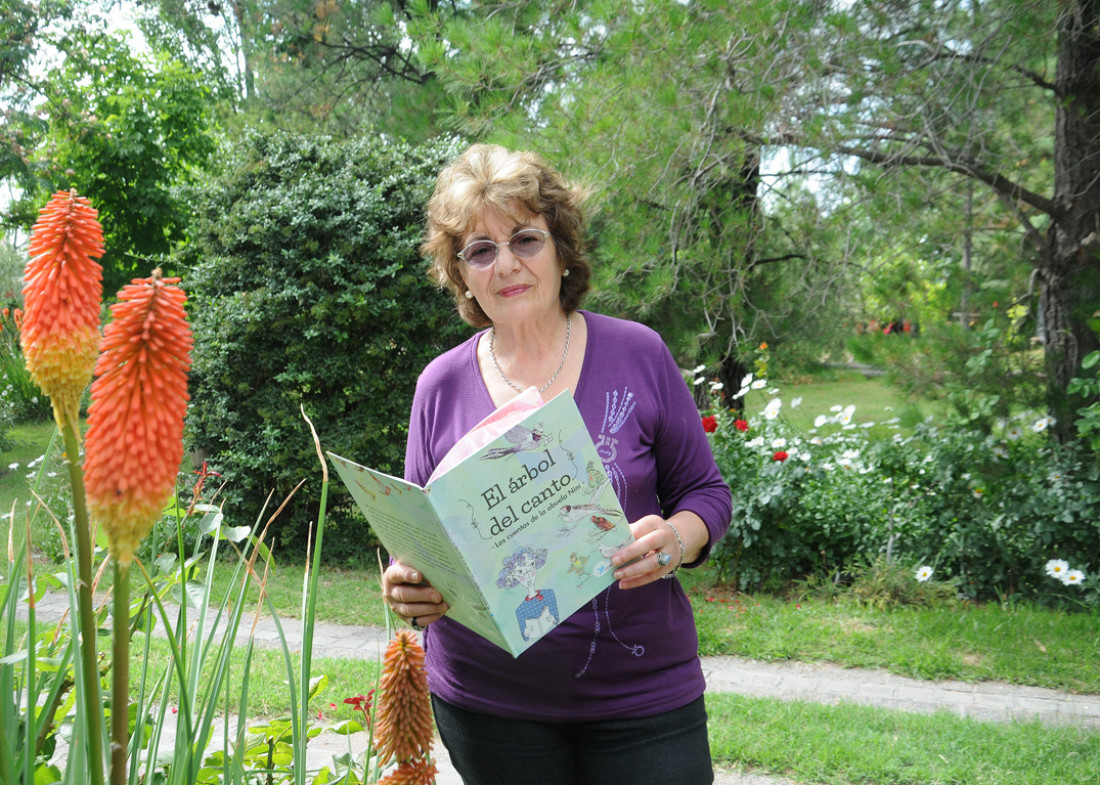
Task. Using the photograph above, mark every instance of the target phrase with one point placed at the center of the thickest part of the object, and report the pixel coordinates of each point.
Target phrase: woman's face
(513, 290)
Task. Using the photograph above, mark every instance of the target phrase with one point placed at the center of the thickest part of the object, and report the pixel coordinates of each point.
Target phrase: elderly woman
(613, 693)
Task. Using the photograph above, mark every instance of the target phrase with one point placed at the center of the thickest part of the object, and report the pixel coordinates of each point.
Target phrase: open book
(517, 526)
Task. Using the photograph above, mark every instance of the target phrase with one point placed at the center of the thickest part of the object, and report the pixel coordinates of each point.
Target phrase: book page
(491, 428)
(402, 516)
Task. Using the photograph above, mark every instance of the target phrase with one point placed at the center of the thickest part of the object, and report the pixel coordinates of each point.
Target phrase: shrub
(985, 510)
(308, 290)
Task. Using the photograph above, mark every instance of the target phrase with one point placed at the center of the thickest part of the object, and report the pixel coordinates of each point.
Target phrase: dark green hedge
(307, 289)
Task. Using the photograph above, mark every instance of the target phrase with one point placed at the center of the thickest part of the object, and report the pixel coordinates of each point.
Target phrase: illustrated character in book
(579, 564)
(521, 439)
(538, 613)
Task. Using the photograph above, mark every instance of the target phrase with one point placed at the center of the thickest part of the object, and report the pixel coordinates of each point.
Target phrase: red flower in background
(780, 456)
(710, 423)
(741, 425)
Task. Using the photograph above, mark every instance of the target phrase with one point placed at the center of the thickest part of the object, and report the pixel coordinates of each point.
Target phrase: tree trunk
(1069, 273)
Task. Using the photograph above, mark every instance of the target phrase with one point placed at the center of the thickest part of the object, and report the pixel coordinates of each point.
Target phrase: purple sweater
(629, 653)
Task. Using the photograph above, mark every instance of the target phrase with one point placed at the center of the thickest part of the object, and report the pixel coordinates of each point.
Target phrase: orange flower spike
(403, 718)
(134, 443)
(414, 772)
(62, 289)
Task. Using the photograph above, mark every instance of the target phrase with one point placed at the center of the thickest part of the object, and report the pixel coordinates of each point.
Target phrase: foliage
(308, 289)
(123, 129)
(1088, 387)
(822, 142)
(656, 107)
(20, 398)
(985, 510)
(175, 701)
(304, 66)
(986, 372)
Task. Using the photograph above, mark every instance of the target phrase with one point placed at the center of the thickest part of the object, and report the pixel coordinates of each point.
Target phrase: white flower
(698, 369)
(1000, 452)
(1057, 568)
(820, 420)
(817, 440)
(924, 573)
(796, 402)
(866, 425)
(757, 442)
(716, 386)
(759, 384)
(836, 408)
(1074, 578)
(747, 380)
(773, 391)
(1042, 424)
(13, 466)
(698, 380)
(779, 443)
(1013, 433)
(771, 411)
(740, 392)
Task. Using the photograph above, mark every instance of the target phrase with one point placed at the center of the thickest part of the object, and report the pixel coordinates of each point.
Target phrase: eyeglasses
(524, 244)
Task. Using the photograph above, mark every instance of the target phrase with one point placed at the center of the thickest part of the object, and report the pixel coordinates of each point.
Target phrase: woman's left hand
(656, 552)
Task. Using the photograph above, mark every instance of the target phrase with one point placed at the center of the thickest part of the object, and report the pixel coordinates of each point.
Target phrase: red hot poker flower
(710, 423)
(403, 718)
(741, 425)
(413, 772)
(780, 456)
(62, 289)
(134, 443)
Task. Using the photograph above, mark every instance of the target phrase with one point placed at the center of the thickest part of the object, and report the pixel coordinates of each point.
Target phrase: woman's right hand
(411, 596)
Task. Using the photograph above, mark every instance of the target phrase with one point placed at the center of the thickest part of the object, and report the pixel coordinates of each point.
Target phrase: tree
(674, 106)
(1001, 95)
(304, 65)
(658, 106)
(123, 130)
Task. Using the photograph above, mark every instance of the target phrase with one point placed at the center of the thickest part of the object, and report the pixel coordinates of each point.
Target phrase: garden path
(822, 683)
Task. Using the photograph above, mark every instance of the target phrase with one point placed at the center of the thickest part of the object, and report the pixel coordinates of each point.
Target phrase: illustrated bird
(576, 512)
(602, 524)
(521, 439)
(576, 563)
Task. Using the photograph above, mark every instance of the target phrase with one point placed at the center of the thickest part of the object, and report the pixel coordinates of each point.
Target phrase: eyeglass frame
(532, 229)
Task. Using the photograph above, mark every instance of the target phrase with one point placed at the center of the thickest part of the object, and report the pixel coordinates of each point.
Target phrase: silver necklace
(564, 354)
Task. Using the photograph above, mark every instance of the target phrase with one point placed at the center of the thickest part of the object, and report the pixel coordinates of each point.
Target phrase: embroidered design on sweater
(618, 408)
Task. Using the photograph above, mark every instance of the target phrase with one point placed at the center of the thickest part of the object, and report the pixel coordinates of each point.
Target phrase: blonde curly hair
(492, 179)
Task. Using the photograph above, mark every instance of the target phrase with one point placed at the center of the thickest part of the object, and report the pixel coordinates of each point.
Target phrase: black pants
(666, 749)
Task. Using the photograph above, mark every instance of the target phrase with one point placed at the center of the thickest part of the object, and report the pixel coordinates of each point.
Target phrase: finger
(645, 570)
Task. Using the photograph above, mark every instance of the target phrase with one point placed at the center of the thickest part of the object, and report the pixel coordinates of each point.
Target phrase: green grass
(876, 401)
(29, 442)
(346, 596)
(1020, 644)
(812, 743)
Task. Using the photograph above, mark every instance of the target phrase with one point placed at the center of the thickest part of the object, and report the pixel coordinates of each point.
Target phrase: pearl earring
(469, 295)
(566, 273)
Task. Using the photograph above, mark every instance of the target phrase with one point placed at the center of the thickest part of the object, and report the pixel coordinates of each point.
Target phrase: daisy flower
(1074, 578)
(1057, 568)
(924, 573)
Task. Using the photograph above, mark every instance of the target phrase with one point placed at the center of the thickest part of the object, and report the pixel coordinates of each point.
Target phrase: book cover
(517, 526)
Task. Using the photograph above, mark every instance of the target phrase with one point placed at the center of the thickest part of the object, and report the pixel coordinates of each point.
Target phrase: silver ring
(414, 625)
(663, 559)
